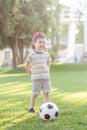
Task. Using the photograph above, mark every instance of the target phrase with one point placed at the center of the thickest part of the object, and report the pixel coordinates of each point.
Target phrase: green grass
(69, 93)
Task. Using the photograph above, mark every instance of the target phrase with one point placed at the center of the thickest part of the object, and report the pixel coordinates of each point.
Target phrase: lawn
(69, 93)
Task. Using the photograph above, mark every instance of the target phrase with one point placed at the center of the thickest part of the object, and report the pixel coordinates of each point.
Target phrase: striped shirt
(39, 61)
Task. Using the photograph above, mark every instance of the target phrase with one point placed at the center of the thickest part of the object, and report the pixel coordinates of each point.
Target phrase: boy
(37, 64)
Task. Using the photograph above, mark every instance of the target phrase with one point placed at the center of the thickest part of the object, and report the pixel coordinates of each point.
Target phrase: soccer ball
(49, 111)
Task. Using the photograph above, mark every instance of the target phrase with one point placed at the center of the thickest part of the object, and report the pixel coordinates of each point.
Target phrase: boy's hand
(28, 68)
(30, 71)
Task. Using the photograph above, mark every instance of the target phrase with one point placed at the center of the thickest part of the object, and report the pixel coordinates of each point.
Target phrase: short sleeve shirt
(39, 62)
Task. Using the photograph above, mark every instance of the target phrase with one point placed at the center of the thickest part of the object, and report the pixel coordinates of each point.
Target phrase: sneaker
(31, 110)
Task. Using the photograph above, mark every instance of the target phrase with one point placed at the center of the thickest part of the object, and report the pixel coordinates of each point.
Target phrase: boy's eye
(40, 42)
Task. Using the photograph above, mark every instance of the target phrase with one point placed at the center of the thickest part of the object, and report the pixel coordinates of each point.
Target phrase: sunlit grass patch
(10, 75)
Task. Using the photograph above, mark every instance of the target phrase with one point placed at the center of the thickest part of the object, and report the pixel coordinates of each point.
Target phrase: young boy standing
(37, 64)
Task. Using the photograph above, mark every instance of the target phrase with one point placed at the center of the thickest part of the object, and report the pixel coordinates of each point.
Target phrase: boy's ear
(33, 47)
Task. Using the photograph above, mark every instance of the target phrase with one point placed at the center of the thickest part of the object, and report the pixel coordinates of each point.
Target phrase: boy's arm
(28, 68)
(48, 65)
(28, 63)
(49, 62)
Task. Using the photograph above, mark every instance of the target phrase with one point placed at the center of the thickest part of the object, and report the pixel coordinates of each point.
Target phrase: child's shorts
(42, 84)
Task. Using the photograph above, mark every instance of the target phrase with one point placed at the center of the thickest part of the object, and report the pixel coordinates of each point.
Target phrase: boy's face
(40, 44)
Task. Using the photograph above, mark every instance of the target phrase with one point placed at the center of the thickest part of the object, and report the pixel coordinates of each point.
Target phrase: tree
(22, 19)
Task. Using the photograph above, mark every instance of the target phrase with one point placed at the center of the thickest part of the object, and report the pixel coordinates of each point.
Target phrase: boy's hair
(36, 36)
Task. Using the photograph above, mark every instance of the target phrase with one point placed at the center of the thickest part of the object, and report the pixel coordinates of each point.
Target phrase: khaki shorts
(42, 84)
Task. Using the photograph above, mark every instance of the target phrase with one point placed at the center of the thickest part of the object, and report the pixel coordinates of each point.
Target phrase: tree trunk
(12, 44)
(15, 51)
(20, 47)
(14, 56)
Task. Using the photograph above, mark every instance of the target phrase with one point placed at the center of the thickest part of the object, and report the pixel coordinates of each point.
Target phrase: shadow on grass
(14, 77)
(29, 121)
(69, 67)
(18, 70)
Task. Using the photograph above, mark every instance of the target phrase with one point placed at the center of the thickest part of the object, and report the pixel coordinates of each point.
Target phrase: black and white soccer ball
(49, 111)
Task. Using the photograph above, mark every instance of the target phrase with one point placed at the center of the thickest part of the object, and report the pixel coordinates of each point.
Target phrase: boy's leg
(33, 101)
(46, 97)
(46, 89)
(34, 95)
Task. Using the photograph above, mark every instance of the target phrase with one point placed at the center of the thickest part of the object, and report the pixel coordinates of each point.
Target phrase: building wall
(5, 56)
(62, 53)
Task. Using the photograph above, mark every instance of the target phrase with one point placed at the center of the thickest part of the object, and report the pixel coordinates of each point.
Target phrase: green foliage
(53, 51)
(19, 21)
(69, 92)
(27, 17)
